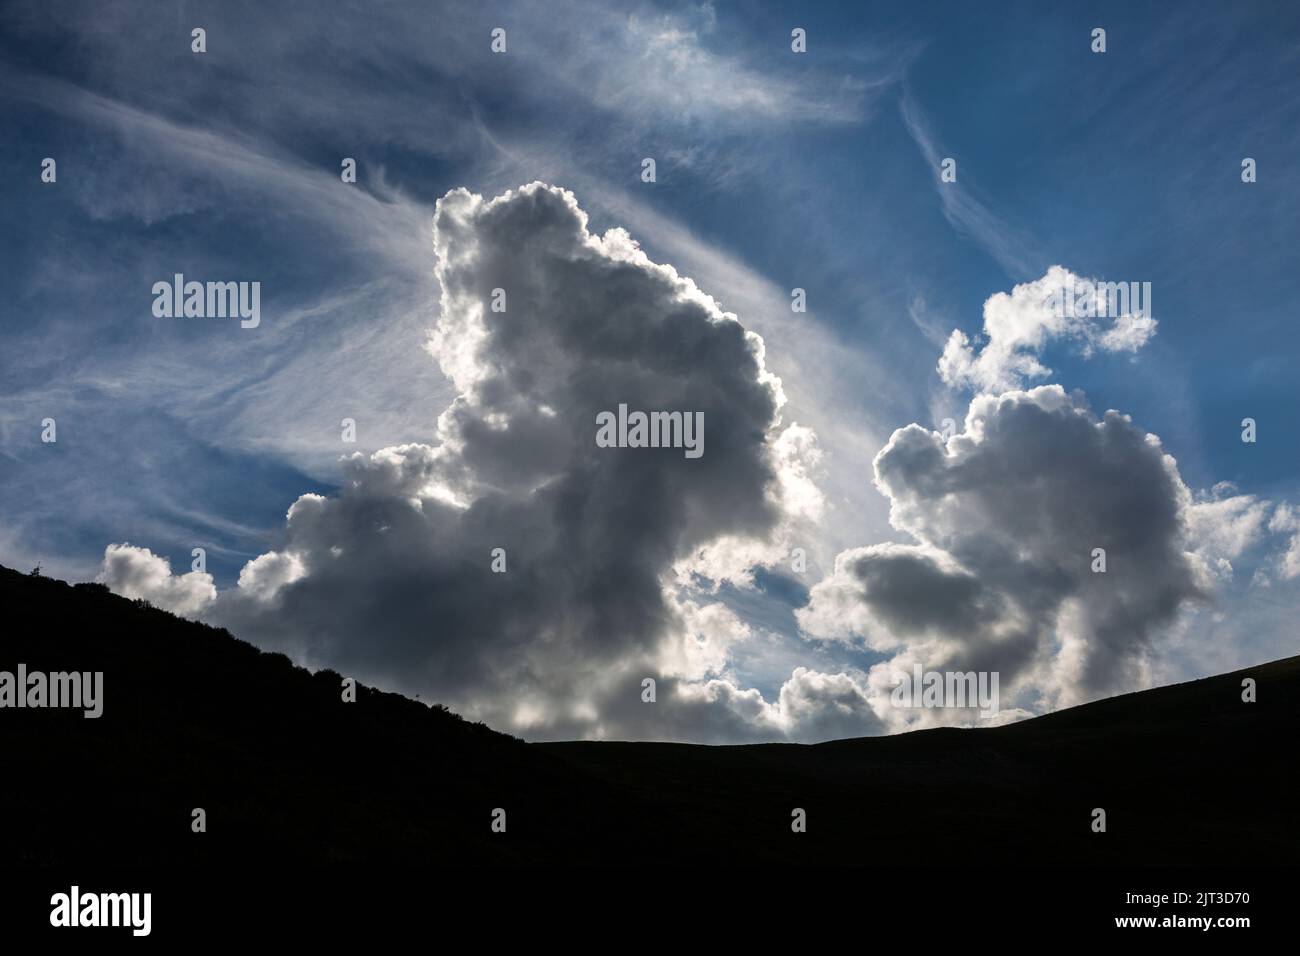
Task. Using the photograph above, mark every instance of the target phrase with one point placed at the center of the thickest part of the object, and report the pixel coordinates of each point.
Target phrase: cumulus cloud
(1006, 515)
(1020, 325)
(615, 557)
(392, 579)
(139, 573)
(827, 706)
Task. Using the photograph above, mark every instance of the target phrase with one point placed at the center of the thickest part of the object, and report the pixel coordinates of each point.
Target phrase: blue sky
(775, 170)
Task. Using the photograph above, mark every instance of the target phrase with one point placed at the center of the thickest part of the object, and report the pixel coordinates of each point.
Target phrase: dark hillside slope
(1186, 774)
(283, 767)
(288, 772)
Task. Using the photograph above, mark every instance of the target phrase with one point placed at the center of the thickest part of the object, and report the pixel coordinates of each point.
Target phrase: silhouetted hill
(288, 772)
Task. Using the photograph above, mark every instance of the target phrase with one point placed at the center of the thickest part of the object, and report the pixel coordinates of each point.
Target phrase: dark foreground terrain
(289, 773)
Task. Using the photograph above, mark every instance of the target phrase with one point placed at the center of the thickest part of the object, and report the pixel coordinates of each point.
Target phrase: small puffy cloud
(139, 573)
(265, 575)
(818, 706)
(810, 706)
(1224, 525)
(1090, 314)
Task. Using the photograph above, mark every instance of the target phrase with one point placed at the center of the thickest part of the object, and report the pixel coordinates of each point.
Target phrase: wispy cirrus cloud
(1010, 245)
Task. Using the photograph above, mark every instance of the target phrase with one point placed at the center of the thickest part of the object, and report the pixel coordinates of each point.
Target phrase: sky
(913, 470)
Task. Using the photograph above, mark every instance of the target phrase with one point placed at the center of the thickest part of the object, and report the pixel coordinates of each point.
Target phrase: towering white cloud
(392, 580)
